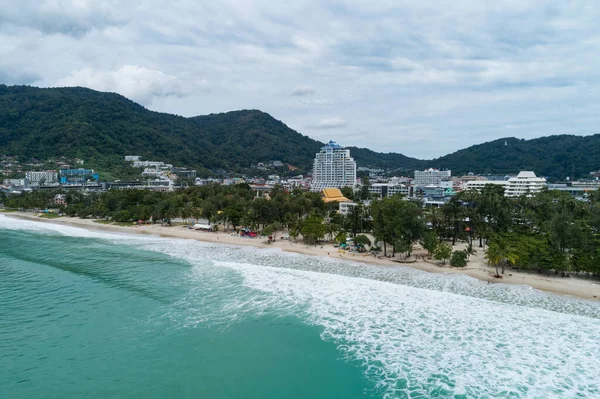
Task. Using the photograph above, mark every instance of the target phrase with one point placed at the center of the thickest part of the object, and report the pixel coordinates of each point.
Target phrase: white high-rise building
(430, 177)
(333, 168)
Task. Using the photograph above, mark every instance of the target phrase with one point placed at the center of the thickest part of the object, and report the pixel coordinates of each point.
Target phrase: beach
(476, 268)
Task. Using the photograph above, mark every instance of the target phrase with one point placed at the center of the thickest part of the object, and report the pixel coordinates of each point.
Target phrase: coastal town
(479, 225)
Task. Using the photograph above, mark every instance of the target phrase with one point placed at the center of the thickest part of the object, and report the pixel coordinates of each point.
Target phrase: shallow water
(92, 314)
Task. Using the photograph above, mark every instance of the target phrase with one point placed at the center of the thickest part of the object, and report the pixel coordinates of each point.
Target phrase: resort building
(430, 176)
(333, 168)
(46, 176)
(525, 183)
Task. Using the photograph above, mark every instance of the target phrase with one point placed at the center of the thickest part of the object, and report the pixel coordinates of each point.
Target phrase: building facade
(46, 176)
(430, 177)
(333, 168)
(77, 176)
(525, 183)
(386, 190)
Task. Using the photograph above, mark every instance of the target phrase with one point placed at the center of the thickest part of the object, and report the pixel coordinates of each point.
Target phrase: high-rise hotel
(333, 168)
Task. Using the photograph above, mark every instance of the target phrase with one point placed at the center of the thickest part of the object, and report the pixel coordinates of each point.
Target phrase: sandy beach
(477, 267)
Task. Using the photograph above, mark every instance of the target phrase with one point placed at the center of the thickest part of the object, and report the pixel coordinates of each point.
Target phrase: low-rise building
(78, 176)
(386, 190)
(16, 182)
(345, 207)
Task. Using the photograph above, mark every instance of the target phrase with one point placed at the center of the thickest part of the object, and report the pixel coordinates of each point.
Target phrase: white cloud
(330, 123)
(303, 91)
(137, 83)
(404, 73)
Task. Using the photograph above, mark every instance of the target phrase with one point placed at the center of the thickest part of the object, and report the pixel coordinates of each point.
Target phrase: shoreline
(476, 268)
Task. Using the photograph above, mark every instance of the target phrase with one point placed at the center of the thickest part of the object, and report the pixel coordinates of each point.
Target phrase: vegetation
(443, 252)
(549, 232)
(101, 128)
(458, 259)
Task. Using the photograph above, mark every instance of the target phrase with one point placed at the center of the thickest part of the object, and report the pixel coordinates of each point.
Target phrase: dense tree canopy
(103, 127)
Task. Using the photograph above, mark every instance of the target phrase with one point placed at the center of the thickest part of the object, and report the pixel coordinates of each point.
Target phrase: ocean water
(99, 315)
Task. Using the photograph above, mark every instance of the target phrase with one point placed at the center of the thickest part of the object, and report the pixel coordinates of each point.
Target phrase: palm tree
(500, 252)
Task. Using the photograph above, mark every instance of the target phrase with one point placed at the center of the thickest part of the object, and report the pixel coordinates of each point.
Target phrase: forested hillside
(103, 127)
(553, 156)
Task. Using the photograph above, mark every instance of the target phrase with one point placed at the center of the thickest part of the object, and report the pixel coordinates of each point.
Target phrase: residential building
(333, 168)
(184, 172)
(430, 176)
(46, 176)
(345, 207)
(480, 184)
(16, 182)
(60, 199)
(131, 158)
(386, 190)
(152, 164)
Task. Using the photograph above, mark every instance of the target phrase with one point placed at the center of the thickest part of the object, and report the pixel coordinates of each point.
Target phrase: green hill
(554, 156)
(103, 127)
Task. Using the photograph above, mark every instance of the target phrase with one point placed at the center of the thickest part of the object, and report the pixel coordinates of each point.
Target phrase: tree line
(549, 231)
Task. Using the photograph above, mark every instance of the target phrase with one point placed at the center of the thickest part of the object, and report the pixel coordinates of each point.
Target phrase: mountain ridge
(81, 122)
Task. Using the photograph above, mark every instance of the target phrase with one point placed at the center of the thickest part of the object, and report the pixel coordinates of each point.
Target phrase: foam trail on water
(421, 343)
(416, 334)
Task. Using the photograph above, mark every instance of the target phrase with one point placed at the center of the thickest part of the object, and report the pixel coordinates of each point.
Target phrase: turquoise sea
(100, 315)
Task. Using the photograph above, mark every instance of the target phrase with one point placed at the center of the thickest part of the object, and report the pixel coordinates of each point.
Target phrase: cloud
(302, 91)
(407, 72)
(69, 17)
(331, 123)
(137, 83)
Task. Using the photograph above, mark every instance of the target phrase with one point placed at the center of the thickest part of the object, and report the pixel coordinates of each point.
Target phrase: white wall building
(333, 168)
(430, 176)
(130, 158)
(525, 183)
(47, 176)
(345, 207)
(386, 190)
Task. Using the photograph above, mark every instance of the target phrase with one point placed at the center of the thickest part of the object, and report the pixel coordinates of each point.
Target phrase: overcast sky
(423, 78)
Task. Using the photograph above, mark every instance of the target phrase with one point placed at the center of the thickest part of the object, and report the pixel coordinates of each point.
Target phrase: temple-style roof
(333, 195)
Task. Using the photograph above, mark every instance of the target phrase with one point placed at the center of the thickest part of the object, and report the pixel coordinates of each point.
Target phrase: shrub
(459, 259)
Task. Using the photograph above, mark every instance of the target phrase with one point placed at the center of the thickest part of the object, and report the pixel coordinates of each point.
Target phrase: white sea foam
(417, 334)
(416, 342)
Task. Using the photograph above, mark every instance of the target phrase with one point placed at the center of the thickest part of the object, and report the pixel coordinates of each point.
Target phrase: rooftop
(331, 144)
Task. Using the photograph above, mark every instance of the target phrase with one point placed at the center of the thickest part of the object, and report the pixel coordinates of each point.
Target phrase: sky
(423, 78)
